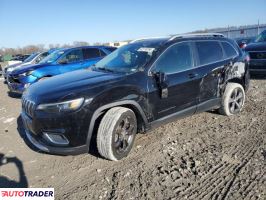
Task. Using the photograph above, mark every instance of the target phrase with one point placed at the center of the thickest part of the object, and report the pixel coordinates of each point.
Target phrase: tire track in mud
(218, 182)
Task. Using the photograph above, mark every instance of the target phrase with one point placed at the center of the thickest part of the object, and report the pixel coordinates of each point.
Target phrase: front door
(71, 61)
(182, 83)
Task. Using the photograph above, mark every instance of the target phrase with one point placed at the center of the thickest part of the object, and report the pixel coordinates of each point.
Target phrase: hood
(72, 83)
(17, 66)
(25, 68)
(256, 46)
(14, 65)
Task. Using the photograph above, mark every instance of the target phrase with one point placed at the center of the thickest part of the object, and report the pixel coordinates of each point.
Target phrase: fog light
(56, 139)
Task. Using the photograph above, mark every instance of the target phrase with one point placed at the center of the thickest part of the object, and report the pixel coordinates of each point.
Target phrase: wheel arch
(99, 113)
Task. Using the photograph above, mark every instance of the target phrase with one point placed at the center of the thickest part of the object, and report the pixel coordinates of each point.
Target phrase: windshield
(31, 57)
(261, 37)
(52, 57)
(128, 58)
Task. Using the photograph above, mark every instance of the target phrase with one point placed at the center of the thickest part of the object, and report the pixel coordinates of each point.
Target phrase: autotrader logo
(27, 193)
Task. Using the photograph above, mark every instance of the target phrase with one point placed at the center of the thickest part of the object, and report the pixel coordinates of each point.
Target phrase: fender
(237, 73)
(100, 110)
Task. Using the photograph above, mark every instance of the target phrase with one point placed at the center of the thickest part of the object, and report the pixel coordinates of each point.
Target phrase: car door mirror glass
(161, 79)
(62, 61)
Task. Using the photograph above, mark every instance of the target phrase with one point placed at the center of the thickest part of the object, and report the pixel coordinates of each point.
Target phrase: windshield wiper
(105, 69)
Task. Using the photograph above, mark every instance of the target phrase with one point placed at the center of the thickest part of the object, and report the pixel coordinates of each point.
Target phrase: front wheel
(116, 133)
(233, 99)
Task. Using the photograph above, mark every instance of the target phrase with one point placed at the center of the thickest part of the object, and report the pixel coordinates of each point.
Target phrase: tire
(116, 133)
(233, 99)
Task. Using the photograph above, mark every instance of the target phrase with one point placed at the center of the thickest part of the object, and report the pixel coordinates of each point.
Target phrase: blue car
(58, 62)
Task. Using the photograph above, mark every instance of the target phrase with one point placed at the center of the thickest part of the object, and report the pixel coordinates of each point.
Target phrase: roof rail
(196, 35)
(136, 40)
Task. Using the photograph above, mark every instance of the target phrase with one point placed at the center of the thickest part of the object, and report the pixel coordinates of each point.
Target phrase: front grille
(28, 106)
(257, 55)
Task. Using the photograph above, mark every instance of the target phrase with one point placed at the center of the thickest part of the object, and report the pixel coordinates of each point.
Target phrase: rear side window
(229, 50)
(209, 52)
(175, 59)
(89, 53)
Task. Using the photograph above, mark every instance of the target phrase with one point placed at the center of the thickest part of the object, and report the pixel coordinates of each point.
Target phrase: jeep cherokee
(134, 89)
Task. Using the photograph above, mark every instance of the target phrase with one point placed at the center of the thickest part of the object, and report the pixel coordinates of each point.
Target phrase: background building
(238, 32)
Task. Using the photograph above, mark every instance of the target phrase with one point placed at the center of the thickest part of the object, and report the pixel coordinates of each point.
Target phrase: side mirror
(161, 79)
(62, 62)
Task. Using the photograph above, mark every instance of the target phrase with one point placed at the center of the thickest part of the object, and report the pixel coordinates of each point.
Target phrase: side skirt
(207, 105)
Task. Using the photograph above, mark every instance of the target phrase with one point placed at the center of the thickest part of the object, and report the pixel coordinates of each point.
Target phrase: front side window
(229, 50)
(175, 59)
(41, 56)
(209, 52)
(89, 53)
(72, 56)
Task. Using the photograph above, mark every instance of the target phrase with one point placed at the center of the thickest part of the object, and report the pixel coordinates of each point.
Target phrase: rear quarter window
(209, 52)
(89, 53)
(229, 50)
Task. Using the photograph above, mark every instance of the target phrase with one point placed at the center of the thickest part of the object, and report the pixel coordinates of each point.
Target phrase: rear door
(182, 82)
(210, 63)
(91, 56)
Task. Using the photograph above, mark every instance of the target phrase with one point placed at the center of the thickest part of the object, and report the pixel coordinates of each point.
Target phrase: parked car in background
(58, 62)
(257, 54)
(137, 87)
(34, 58)
(243, 42)
(19, 58)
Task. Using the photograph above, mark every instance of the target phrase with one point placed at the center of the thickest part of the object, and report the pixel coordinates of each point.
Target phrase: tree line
(41, 47)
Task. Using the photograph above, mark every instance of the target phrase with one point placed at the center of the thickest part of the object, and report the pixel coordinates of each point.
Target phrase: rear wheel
(233, 99)
(116, 133)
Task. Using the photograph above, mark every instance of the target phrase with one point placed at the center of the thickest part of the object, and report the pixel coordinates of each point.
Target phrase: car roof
(96, 46)
(167, 39)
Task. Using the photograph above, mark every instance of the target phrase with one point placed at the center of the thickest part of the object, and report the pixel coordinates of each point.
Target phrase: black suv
(257, 54)
(137, 87)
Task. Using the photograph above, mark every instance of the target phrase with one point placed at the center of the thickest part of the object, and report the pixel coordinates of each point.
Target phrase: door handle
(192, 75)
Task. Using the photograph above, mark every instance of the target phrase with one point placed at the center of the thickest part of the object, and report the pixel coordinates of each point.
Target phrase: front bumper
(16, 87)
(18, 84)
(57, 134)
(55, 150)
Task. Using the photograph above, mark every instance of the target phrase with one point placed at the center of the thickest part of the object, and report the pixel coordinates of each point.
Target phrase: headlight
(65, 106)
(27, 73)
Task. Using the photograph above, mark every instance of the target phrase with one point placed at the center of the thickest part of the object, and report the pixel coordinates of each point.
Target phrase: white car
(32, 59)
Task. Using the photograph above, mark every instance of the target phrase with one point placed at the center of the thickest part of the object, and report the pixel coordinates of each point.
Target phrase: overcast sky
(24, 22)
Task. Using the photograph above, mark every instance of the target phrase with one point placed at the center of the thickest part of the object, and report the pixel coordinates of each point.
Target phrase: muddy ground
(206, 156)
